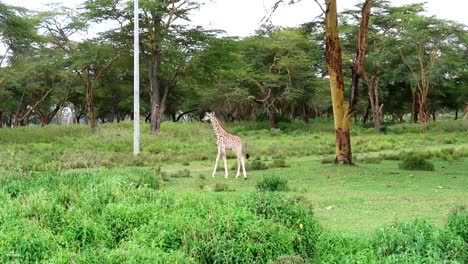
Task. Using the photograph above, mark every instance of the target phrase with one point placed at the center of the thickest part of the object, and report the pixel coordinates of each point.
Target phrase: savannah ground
(82, 182)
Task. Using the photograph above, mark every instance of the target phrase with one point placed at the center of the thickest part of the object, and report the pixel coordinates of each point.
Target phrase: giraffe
(226, 141)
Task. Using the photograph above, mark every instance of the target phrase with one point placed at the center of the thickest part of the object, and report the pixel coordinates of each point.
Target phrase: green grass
(68, 195)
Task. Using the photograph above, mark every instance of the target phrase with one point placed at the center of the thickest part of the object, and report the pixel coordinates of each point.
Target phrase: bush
(457, 222)
(221, 187)
(23, 242)
(294, 259)
(416, 162)
(273, 183)
(290, 214)
(181, 174)
(257, 165)
(370, 159)
(279, 162)
(327, 160)
(340, 248)
(147, 178)
(418, 241)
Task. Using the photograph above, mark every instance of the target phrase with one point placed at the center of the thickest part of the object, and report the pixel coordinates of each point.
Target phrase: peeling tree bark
(342, 112)
(361, 49)
(340, 106)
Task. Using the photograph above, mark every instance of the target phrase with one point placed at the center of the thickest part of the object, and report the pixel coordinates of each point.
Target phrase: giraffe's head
(208, 116)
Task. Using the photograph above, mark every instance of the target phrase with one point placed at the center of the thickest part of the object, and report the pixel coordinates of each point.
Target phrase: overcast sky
(242, 17)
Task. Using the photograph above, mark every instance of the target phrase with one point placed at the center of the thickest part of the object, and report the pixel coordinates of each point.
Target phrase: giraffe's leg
(225, 165)
(243, 166)
(238, 166)
(216, 164)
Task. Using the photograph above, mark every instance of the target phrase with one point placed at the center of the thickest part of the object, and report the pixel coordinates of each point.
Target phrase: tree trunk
(422, 116)
(414, 106)
(305, 114)
(361, 47)
(155, 81)
(465, 111)
(271, 118)
(366, 114)
(456, 114)
(373, 92)
(90, 107)
(341, 117)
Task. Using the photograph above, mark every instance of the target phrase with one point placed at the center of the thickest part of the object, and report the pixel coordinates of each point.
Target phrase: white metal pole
(136, 83)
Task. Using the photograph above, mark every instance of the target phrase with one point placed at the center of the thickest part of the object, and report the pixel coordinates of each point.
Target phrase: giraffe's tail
(244, 148)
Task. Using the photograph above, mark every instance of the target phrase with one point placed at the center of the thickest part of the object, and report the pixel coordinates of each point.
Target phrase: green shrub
(340, 248)
(221, 187)
(273, 183)
(293, 259)
(457, 222)
(133, 253)
(327, 160)
(279, 162)
(416, 162)
(81, 232)
(448, 126)
(290, 214)
(24, 242)
(418, 241)
(181, 174)
(257, 165)
(121, 220)
(391, 156)
(147, 178)
(370, 159)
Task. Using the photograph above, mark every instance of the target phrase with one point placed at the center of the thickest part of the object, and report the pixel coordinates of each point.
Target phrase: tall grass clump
(416, 162)
(114, 216)
(287, 212)
(340, 248)
(457, 222)
(273, 183)
(418, 242)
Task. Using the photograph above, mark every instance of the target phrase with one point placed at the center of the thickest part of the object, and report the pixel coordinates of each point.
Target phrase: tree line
(415, 66)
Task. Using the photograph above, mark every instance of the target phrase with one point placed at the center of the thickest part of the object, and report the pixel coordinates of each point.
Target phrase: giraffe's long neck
(218, 128)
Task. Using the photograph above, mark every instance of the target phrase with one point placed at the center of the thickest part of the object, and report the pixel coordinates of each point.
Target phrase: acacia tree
(424, 45)
(89, 59)
(342, 110)
(279, 73)
(159, 23)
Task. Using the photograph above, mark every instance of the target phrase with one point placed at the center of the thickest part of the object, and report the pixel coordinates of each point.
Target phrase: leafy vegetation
(68, 195)
(273, 183)
(416, 162)
(133, 209)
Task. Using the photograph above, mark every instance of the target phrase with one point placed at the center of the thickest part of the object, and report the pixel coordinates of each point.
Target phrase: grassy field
(82, 193)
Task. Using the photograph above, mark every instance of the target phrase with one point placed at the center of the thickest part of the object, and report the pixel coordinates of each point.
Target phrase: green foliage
(449, 126)
(328, 160)
(299, 219)
(273, 183)
(457, 222)
(24, 242)
(418, 241)
(221, 187)
(416, 162)
(279, 162)
(257, 165)
(370, 159)
(185, 173)
(294, 259)
(110, 217)
(340, 248)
